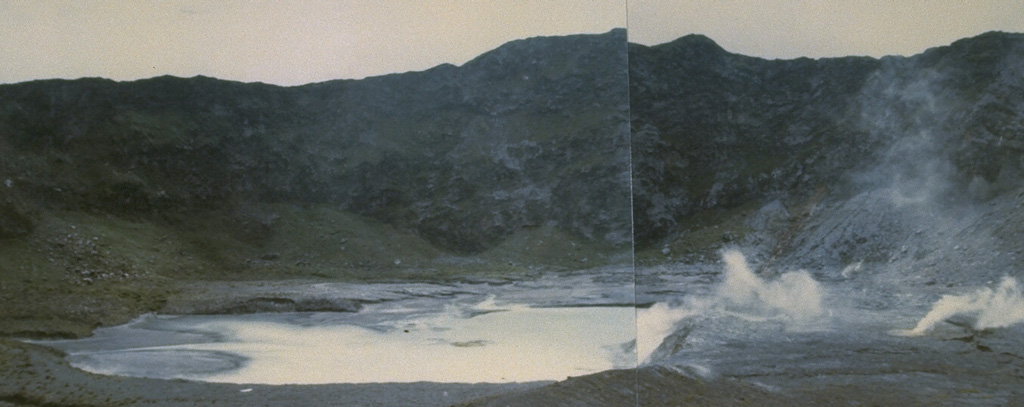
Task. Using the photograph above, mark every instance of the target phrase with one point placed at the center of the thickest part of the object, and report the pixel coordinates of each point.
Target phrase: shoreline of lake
(38, 375)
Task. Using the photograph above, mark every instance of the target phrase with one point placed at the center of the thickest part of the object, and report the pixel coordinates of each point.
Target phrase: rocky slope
(823, 163)
(111, 192)
(869, 195)
(530, 134)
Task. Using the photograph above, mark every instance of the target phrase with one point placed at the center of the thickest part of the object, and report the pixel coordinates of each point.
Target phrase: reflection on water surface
(478, 343)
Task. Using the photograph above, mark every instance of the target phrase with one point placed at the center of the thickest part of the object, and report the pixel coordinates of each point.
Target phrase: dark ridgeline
(532, 134)
(713, 129)
(112, 194)
(735, 150)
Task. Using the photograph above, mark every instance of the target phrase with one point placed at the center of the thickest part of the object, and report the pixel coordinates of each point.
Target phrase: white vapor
(794, 296)
(997, 308)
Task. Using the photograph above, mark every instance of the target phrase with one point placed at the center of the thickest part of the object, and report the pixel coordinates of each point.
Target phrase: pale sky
(300, 41)
(822, 28)
(284, 42)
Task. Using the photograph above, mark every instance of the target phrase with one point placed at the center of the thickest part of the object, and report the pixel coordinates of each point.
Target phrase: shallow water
(481, 342)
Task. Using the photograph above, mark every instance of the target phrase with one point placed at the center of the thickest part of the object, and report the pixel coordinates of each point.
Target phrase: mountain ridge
(201, 178)
(111, 193)
(828, 144)
(330, 111)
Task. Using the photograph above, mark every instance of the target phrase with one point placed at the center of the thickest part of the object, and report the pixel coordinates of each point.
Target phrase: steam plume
(795, 295)
(997, 308)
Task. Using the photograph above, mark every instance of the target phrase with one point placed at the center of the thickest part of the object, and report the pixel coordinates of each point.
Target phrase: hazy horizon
(821, 29)
(294, 43)
(282, 43)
